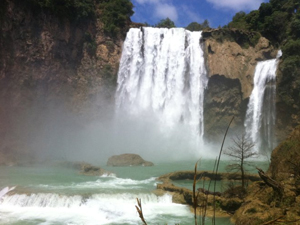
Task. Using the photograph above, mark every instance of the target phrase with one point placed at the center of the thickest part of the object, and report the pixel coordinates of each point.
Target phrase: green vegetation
(3, 5)
(279, 21)
(165, 23)
(194, 26)
(115, 14)
(240, 151)
(72, 9)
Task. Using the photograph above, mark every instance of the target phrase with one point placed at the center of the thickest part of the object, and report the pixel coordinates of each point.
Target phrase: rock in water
(128, 160)
(88, 169)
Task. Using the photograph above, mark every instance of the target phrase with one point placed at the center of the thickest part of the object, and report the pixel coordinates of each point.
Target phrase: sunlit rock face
(231, 58)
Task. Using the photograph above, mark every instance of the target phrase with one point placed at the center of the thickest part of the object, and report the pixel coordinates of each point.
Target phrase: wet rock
(180, 195)
(128, 160)
(85, 168)
(88, 169)
(206, 175)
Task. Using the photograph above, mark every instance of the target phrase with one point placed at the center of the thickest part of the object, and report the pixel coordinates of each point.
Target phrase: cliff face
(231, 57)
(50, 63)
(39, 49)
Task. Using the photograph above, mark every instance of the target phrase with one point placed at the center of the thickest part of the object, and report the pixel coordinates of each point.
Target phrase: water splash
(47, 208)
(261, 113)
(162, 72)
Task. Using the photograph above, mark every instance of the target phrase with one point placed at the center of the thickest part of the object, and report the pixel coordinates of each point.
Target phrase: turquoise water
(53, 195)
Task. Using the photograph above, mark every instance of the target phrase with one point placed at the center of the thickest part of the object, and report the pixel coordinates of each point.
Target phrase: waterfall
(261, 113)
(162, 72)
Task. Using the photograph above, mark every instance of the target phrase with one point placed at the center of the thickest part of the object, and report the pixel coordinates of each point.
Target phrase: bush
(295, 27)
(277, 20)
(239, 21)
(194, 26)
(291, 48)
(3, 6)
(115, 14)
(72, 9)
(165, 23)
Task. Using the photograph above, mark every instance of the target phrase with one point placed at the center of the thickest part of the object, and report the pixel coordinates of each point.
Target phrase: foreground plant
(217, 168)
(140, 210)
(240, 151)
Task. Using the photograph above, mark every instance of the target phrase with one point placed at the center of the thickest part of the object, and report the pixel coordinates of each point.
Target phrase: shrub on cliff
(274, 20)
(72, 9)
(290, 68)
(279, 21)
(194, 26)
(115, 14)
(166, 23)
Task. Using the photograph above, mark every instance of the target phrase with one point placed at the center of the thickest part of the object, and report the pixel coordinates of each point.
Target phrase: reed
(217, 168)
(140, 210)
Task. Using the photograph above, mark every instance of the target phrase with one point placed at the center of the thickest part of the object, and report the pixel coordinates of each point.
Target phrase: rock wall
(231, 57)
(50, 64)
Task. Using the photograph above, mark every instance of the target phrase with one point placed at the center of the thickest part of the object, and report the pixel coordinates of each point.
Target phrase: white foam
(95, 209)
(105, 183)
(162, 72)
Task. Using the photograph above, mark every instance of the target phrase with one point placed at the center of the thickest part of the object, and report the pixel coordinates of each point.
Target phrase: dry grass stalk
(217, 168)
(140, 210)
(273, 221)
(195, 197)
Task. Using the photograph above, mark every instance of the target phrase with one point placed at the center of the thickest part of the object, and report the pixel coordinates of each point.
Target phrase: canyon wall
(231, 57)
(50, 63)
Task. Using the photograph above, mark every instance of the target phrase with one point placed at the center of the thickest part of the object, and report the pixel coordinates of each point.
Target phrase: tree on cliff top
(240, 151)
(194, 26)
(279, 22)
(115, 14)
(166, 23)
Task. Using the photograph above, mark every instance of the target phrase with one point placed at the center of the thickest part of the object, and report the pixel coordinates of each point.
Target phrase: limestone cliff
(48, 63)
(231, 57)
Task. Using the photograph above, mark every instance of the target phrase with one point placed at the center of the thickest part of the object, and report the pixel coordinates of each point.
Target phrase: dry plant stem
(273, 221)
(140, 210)
(277, 187)
(218, 161)
(204, 210)
(195, 198)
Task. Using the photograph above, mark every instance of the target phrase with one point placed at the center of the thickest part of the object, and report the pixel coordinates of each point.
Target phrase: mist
(54, 131)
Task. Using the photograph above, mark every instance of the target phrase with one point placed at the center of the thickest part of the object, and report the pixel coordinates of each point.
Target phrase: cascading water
(162, 72)
(261, 113)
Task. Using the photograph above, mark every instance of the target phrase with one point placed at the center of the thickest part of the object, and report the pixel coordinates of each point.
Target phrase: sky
(183, 12)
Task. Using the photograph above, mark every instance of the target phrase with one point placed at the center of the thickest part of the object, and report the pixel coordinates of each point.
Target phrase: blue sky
(183, 12)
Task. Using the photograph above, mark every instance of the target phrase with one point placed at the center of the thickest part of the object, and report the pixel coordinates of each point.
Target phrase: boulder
(88, 169)
(128, 160)
(85, 168)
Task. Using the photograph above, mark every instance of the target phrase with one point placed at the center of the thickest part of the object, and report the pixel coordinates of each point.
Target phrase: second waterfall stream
(261, 112)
